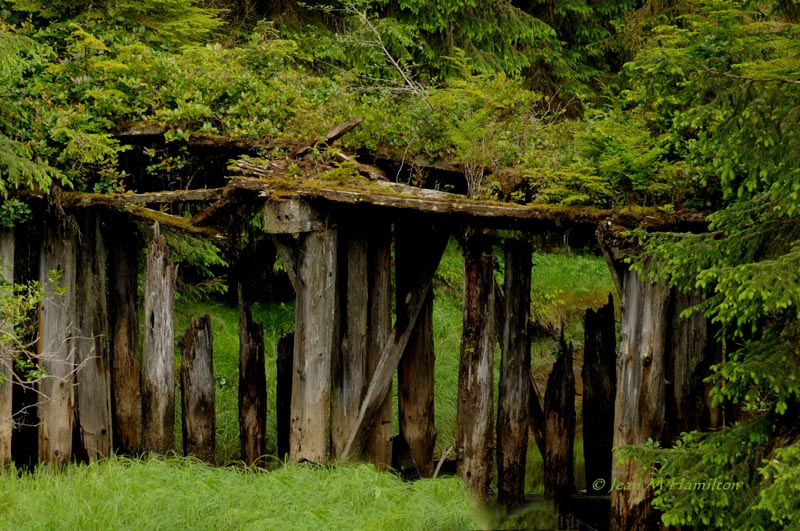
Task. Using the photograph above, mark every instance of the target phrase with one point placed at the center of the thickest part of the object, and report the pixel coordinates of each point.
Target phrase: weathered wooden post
(599, 375)
(92, 350)
(559, 434)
(514, 386)
(158, 358)
(350, 359)
(415, 374)
(6, 361)
(197, 391)
(55, 346)
(639, 413)
(474, 429)
(283, 392)
(379, 325)
(125, 367)
(252, 386)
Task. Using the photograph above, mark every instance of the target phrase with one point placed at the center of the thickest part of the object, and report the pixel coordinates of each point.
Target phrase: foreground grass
(178, 493)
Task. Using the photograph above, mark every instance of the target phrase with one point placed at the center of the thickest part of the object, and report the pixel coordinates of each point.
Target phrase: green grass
(178, 493)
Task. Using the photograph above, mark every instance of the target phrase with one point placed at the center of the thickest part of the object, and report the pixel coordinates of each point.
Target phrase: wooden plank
(515, 370)
(381, 381)
(252, 386)
(474, 417)
(415, 259)
(639, 404)
(559, 430)
(92, 347)
(348, 382)
(158, 359)
(55, 348)
(177, 224)
(599, 376)
(82, 199)
(291, 216)
(197, 391)
(315, 329)
(6, 362)
(379, 441)
(283, 392)
(404, 197)
(125, 365)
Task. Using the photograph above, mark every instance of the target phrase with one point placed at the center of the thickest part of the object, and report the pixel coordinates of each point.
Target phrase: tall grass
(182, 494)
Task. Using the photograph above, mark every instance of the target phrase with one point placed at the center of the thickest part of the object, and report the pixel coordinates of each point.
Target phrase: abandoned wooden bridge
(339, 243)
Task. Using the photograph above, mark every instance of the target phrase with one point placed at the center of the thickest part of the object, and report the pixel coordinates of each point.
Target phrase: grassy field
(173, 494)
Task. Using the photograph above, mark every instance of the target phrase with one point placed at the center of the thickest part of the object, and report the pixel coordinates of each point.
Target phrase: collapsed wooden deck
(336, 241)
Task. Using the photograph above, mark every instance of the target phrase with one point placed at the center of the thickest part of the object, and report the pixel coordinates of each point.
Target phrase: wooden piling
(158, 358)
(55, 346)
(415, 374)
(599, 376)
(315, 329)
(198, 421)
(559, 433)
(639, 404)
(92, 346)
(474, 429)
(283, 392)
(379, 443)
(6, 361)
(350, 359)
(125, 367)
(514, 386)
(252, 386)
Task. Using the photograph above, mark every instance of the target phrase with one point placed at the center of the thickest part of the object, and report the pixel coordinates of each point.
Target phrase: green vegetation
(178, 493)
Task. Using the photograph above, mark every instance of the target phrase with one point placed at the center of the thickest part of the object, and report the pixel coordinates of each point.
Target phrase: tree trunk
(56, 331)
(6, 361)
(252, 386)
(599, 375)
(349, 364)
(158, 358)
(559, 433)
(640, 411)
(415, 374)
(379, 325)
(283, 392)
(197, 391)
(315, 329)
(92, 350)
(515, 370)
(474, 433)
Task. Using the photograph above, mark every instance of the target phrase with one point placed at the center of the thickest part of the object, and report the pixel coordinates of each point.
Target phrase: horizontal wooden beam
(404, 197)
(82, 199)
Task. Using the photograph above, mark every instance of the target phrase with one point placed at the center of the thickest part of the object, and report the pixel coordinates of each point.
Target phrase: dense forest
(676, 105)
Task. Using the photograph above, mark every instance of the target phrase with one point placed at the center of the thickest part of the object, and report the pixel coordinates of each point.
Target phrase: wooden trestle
(336, 244)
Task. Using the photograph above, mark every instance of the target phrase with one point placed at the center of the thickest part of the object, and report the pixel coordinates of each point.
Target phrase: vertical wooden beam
(349, 364)
(158, 358)
(599, 375)
(415, 374)
(283, 392)
(252, 386)
(474, 433)
(379, 443)
(514, 386)
(559, 433)
(198, 410)
(125, 367)
(55, 347)
(639, 404)
(6, 361)
(92, 347)
(315, 328)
